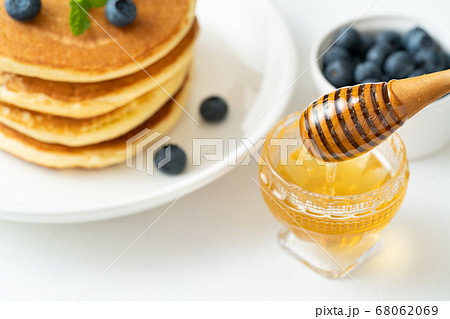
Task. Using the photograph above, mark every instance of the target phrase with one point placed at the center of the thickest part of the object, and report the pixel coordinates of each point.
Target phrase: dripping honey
(357, 176)
(350, 185)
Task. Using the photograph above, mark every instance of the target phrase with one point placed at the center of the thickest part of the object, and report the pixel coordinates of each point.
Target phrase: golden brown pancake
(45, 47)
(78, 132)
(92, 156)
(82, 100)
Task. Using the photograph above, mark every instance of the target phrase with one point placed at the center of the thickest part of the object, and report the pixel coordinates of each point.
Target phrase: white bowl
(425, 133)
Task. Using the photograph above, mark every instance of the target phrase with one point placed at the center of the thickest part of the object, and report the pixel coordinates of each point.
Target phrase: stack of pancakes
(69, 101)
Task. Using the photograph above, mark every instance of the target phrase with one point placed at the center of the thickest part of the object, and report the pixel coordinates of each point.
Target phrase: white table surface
(219, 242)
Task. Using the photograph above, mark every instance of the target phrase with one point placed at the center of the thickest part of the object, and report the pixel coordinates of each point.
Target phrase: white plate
(245, 53)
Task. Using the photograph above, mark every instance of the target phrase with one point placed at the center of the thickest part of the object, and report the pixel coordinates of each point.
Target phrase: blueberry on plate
(120, 12)
(170, 159)
(339, 73)
(398, 65)
(379, 52)
(371, 80)
(367, 70)
(430, 60)
(389, 36)
(214, 109)
(416, 39)
(416, 72)
(335, 53)
(348, 38)
(23, 10)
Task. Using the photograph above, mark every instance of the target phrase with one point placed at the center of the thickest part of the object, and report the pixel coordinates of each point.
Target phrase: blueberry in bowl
(430, 60)
(367, 70)
(416, 72)
(416, 39)
(398, 65)
(390, 37)
(366, 42)
(355, 56)
(371, 80)
(336, 53)
(339, 73)
(425, 49)
(379, 52)
(348, 38)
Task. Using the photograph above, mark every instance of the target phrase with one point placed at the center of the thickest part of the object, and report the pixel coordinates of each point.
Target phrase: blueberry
(365, 42)
(385, 78)
(120, 12)
(348, 38)
(389, 36)
(416, 72)
(214, 109)
(366, 70)
(170, 159)
(379, 52)
(335, 53)
(357, 60)
(444, 56)
(416, 39)
(398, 65)
(339, 73)
(430, 60)
(23, 10)
(371, 80)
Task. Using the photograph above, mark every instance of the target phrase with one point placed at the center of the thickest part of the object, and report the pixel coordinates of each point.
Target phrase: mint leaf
(78, 18)
(98, 3)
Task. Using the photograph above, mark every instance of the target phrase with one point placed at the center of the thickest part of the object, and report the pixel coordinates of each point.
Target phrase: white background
(219, 242)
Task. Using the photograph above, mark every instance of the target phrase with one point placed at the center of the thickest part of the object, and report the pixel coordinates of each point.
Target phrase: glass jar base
(326, 261)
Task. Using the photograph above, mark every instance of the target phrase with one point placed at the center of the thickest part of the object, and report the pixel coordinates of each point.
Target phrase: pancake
(78, 132)
(45, 47)
(92, 156)
(82, 100)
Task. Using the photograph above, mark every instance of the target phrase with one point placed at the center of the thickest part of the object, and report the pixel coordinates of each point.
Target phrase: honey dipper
(353, 120)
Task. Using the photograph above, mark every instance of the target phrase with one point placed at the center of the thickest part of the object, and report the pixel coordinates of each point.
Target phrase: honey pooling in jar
(352, 177)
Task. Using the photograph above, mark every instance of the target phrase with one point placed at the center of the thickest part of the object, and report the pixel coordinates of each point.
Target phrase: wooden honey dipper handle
(418, 92)
(353, 120)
